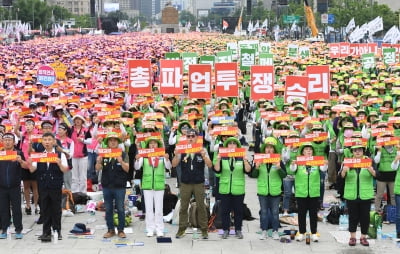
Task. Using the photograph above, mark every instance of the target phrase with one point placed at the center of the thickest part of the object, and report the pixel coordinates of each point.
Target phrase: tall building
(150, 8)
(77, 7)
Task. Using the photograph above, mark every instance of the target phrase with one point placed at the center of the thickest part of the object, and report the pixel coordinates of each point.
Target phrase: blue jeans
(112, 195)
(397, 199)
(272, 204)
(288, 184)
(91, 172)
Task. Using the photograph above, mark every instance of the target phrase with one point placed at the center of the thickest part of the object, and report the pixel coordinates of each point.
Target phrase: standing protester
(68, 149)
(269, 188)
(113, 181)
(153, 185)
(10, 181)
(192, 183)
(81, 137)
(28, 178)
(358, 192)
(50, 181)
(385, 155)
(232, 187)
(307, 192)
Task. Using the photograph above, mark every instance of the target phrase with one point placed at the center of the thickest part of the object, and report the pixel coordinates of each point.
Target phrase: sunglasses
(190, 136)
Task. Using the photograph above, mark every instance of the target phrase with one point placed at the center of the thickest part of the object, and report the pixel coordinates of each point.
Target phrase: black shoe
(28, 211)
(40, 220)
(142, 217)
(332, 187)
(59, 235)
(45, 238)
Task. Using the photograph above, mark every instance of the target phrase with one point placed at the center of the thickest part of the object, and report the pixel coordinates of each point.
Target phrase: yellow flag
(310, 19)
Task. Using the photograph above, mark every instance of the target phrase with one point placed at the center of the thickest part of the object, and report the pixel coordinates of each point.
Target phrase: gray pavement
(250, 243)
(214, 244)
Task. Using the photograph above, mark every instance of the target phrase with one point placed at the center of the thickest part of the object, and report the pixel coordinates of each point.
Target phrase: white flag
(392, 35)
(257, 26)
(265, 24)
(294, 27)
(375, 25)
(250, 27)
(351, 25)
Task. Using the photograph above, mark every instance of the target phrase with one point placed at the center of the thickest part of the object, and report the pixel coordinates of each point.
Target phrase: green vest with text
(307, 183)
(269, 183)
(358, 185)
(232, 181)
(153, 178)
(385, 165)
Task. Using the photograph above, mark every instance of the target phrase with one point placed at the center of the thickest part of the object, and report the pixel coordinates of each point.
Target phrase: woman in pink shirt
(28, 178)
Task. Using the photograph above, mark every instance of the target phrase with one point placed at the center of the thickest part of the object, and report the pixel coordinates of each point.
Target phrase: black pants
(359, 213)
(311, 205)
(233, 203)
(10, 197)
(50, 202)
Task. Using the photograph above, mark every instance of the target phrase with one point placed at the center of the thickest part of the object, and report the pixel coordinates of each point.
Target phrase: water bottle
(195, 234)
(8, 233)
(379, 233)
(324, 220)
(55, 237)
(308, 238)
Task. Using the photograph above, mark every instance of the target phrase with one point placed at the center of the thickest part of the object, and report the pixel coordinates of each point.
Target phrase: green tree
(362, 11)
(60, 13)
(185, 17)
(84, 21)
(35, 11)
(118, 15)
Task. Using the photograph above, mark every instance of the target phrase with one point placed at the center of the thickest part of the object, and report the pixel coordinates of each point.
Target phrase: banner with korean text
(262, 82)
(171, 76)
(139, 76)
(318, 83)
(226, 83)
(296, 89)
(151, 152)
(110, 153)
(199, 81)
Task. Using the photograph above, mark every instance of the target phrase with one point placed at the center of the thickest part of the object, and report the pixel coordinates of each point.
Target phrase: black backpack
(215, 221)
(334, 214)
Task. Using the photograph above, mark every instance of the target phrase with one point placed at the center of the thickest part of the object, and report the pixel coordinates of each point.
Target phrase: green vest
(279, 101)
(153, 178)
(307, 184)
(332, 134)
(358, 185)
(232, 181)
(269, 183)
(247, 92)
(385, 165)
(319, 149)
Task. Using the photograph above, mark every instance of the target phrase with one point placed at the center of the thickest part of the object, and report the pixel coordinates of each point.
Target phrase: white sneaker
(275, 235)
(160, 234)
(264, 235)
(150, 234)
(314, 237)
(299, 237)
(285, 214)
